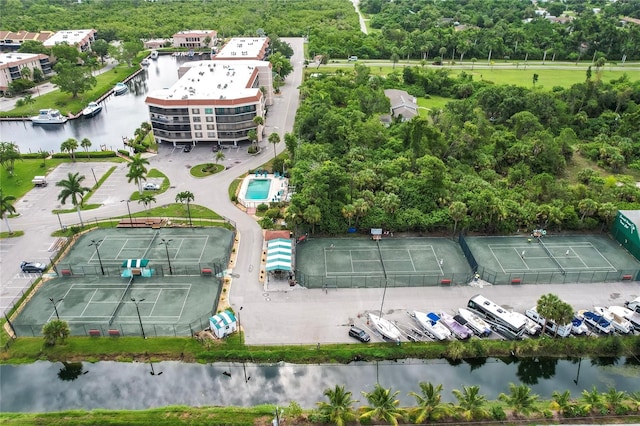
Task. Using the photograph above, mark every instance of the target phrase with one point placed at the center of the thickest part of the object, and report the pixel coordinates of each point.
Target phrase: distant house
(10, 40)
(195, 39)
(403, 105)
(156, 43)
(82, 39)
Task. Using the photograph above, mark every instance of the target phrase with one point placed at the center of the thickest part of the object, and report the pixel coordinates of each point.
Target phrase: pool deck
(278, 190)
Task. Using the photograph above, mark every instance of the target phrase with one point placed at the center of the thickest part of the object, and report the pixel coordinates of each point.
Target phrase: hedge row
(95, 154)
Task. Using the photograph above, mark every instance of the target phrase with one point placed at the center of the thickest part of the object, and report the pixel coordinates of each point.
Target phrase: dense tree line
(494, 161)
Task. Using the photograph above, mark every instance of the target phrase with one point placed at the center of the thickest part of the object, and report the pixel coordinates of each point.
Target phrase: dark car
(33, 267)
(215, 148)
(359, 334)
(187, 148)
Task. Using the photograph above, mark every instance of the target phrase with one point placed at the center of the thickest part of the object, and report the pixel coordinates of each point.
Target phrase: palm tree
(312, 215)
(546, 306)
(137, 170)
(520, 399)
(219, 156)
(252, 135)
(147, 199)
(86, 144)
(562, 400)
(70, 146)
(471, 403)
(54, 331)
(384, 406)
(457, 211)
(186, 196)
(348, 211)
(339, 409)
(430, 407)
(9, 153)
(6, 207)
(591, 400)
(614, 399)
(72, 187)
(274, 139)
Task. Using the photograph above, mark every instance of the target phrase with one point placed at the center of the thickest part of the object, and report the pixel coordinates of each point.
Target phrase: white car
(149, 186)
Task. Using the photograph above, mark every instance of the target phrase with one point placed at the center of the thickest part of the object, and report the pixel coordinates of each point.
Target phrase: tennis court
(360, 262)
(187, 250)
(555, 259)
(96, 297)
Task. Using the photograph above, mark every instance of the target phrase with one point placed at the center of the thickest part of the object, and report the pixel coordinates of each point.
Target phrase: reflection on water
(45, 386)
(120, 116)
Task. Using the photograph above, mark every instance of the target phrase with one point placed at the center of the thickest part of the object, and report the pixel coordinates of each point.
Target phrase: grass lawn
(65, 102)
(14, 234)
(206, 169)
(24, 171)
(153, 173)
(434, 102)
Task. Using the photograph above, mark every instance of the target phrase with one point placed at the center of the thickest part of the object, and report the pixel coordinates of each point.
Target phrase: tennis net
(150, 244)
(124, 294)
(551, 255)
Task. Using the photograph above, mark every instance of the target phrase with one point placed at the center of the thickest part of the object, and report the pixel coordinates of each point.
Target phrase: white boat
(49, 116)
(578, 327)
(144, 62)
(619, 323)
(154, 54)
(596, 322)
(462, 332)
(385, 327)
(92, 109)
(120, 88)
(628, 314)
(430, 323)
(475, 323)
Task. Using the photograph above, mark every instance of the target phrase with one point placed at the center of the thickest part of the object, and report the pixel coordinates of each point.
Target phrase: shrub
(266, 223)
(124, 152)
(273, 214)
(497, 413)
(262, 207)
(81, 154)
(548, 414)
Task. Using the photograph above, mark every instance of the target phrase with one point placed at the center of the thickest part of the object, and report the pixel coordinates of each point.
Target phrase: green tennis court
(360, 262)
(582, 258)
(93, 291)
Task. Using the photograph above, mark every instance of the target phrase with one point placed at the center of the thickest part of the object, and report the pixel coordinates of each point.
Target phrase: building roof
(279, 255)
(71, 37)
(19, 58)
(244, 48)
(402, 103)
(222, 319)
(195, 33)
(632, 215)
(214, 80)
(22, 36)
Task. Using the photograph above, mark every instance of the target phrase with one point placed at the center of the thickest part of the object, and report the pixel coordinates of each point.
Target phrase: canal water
(46, 386)
(120, 116)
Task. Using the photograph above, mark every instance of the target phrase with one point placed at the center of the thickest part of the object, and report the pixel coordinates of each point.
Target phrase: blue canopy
(135, 263)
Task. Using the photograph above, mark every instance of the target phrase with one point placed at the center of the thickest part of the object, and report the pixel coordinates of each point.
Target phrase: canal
(46, 386)
(120, 116)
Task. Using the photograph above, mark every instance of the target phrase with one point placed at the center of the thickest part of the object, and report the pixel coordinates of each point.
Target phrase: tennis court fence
(215, 269)
(379, 281)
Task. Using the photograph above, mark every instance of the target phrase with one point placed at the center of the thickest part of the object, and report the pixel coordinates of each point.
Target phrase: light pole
(166, 247)
(95, 244)
(240, 328)
(128, 210)
(55, 307)
(60, 221)
(153, 372)
(139, 318)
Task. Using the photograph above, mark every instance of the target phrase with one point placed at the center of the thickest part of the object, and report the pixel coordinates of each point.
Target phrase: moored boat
(120, 88)
(92, 109)
(596, 322)
(385, 327)
(578, 327)
(633, 317)
(49, 116)
(430, 323)
(462, 332)
(475, 323)
(619, 323)
(154, 54)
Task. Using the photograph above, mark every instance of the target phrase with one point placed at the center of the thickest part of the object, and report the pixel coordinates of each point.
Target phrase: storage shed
(223, 324)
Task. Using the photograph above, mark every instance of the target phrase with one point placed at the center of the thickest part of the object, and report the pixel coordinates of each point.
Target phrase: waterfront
(120, 117)
(45, 386)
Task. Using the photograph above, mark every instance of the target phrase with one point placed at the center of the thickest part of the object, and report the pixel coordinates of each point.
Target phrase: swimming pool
(258, 189)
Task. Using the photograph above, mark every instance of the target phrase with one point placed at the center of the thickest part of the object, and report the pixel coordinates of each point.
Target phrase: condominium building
(213, 101)
(12, 64)
(10, 40)
(82, 39)
(195, 39)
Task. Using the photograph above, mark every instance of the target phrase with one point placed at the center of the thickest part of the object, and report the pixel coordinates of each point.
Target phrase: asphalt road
(271, 314)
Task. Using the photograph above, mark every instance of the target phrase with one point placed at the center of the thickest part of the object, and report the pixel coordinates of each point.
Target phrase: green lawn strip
(233, 188)
(65, 102)
(13, 234)
(24, 171)
(433, 102)
(82, 208)
(206, 169)
(100, 182)
(179, 210)
(153, 173)
(171, 415)
(30, 349)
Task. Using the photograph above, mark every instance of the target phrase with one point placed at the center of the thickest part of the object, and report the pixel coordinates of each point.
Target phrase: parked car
(215, 148)
(33, 267)
(150, 186)
(352, 58)
(359, 334)
(187, 148)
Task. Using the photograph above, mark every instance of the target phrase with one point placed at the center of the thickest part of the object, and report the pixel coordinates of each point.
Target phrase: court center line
(435, 256)
(178, 249)
(155, 302)
(88, 303)
(202, 251)
(413, 265)
(526, 265)
(184, 302)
